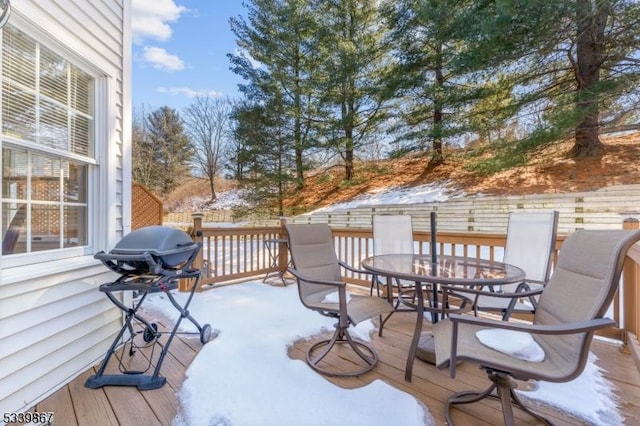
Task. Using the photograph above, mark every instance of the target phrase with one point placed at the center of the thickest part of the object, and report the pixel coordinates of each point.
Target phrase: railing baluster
(631, 275)
(234, 253)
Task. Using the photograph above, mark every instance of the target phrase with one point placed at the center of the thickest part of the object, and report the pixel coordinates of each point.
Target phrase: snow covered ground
(225, 200)
(390, 195)
(399, 195)
(245, 376)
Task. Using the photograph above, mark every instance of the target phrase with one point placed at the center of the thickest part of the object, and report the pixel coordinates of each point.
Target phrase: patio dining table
(437, 271)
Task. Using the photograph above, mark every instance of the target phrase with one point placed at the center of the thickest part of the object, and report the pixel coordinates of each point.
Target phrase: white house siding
(54, 323)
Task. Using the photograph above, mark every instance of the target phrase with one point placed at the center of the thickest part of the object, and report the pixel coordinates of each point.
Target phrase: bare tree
(207, 121)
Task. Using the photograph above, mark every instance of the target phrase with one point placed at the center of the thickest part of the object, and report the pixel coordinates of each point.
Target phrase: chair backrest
(581, 288)
(392, 234)
(531, 239)
(314, 256)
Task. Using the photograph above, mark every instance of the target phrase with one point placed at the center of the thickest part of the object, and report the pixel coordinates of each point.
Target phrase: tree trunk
(297, 131)
(280, 188)
(348, 161)
(347, 119)
(213, 189)
(299, 169)
(591, 21)
(437, 156)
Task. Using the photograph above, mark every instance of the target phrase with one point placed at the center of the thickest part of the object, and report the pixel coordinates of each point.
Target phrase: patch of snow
(246, 377)
(428, 193)
(225, 200)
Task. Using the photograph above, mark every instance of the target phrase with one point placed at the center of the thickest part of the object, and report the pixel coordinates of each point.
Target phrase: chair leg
(383, 321)
(519, 403)
(504, 391)
(465, 397)
(374, 282)
(341, 336)
(396, 306)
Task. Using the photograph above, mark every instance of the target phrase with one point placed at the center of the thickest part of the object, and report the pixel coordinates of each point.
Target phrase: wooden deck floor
(76, 405)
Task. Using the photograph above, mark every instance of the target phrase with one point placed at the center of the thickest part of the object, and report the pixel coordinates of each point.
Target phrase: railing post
(283, 252)
(196, 234)
(631, 301)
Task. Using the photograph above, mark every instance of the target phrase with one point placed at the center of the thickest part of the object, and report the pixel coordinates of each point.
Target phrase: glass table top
(446, 269)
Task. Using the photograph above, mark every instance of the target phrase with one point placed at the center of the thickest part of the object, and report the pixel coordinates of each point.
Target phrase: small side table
(273, 246)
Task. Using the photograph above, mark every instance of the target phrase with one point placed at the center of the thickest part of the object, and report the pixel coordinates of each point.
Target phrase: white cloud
(188, 92)
(161, 59)
(151, 19)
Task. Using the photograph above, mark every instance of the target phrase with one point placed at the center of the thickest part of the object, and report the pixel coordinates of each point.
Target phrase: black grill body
(148, 260)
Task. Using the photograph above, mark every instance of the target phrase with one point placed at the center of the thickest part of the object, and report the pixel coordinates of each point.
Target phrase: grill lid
(170, 246)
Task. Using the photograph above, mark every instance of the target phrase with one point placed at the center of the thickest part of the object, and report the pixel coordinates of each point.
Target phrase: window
(47, 147)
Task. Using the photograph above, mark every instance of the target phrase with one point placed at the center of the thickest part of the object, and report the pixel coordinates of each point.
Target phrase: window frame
(95, 182)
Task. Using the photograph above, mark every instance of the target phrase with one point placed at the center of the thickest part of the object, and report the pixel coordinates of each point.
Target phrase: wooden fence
(146, 208)
(208, 216)
(581, 210)
(600, 209)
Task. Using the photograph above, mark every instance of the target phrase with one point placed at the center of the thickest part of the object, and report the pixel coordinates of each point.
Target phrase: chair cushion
(517, 344)
(364, 307)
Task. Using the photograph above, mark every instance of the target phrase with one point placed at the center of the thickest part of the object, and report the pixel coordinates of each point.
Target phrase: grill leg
(184, 313)
(143, 382)
(138, 378)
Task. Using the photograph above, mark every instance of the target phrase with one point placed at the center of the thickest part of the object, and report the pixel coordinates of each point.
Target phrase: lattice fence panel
(146, 208)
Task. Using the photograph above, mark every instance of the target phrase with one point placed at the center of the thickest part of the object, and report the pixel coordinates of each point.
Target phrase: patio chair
(393, 234)
(317, 271)
(531, 240)
(570, 309)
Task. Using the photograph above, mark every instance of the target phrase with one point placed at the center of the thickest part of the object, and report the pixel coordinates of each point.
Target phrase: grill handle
(114, 261)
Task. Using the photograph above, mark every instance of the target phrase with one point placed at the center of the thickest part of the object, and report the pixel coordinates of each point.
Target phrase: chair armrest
(341, 287)
(554, 329)
(459, 289)
(525, 285)
(528, 281)
(304, 278)
(354, 269)
(566, 328)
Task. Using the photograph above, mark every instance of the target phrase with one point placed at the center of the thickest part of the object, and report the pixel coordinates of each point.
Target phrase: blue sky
(179, 51)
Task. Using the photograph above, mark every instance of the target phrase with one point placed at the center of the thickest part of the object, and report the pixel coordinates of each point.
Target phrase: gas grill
(148, 260)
